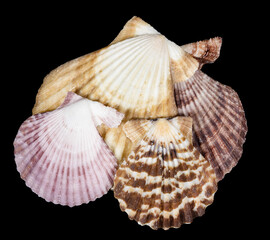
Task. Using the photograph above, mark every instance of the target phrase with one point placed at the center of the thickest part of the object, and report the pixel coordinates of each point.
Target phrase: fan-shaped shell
(165, 181)
(219, 120)
(61, 155)
(206, 51)
(134, 75)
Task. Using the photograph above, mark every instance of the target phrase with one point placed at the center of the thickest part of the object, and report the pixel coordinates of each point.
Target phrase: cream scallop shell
(165, 182)
(133, 74)
(61, 155)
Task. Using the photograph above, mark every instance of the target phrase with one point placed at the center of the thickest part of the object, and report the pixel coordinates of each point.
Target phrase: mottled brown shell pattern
(165, 181)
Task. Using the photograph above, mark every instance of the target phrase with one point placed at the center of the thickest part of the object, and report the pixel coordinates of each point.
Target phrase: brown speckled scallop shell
(165, 182)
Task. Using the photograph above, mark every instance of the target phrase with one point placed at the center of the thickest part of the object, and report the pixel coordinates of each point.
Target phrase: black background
(38, 38)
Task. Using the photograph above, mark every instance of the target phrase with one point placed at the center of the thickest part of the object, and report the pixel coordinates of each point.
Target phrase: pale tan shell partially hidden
(134, 75)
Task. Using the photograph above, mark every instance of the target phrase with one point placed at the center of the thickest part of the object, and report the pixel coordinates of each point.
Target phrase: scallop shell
(133, 75)
(61, 155)
(219, 120)
(165, 181)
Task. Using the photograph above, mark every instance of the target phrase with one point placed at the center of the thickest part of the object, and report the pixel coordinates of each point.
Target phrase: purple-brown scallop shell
(219, 120)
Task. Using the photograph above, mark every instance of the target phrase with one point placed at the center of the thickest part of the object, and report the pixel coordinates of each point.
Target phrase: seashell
(165, 182)
(61, 155)
(218, 117)
(206, 51)
(133, 74)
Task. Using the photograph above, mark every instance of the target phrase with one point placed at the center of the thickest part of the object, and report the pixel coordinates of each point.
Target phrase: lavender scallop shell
(61, 155)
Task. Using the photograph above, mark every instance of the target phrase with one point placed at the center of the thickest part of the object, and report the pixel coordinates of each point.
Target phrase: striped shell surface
(220, 125)
(165, 182)
(61, 155)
